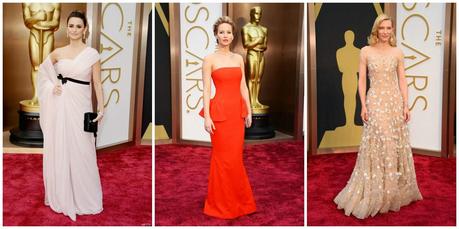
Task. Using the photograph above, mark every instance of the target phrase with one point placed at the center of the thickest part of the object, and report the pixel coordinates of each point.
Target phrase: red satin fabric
(229, 192)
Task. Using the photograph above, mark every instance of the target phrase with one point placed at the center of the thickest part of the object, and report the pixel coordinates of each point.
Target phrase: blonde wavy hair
(221, 20)
(373, 39)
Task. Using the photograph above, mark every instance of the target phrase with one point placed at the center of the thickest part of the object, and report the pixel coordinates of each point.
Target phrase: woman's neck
(224, 49)
(76, 43)
(383, 45)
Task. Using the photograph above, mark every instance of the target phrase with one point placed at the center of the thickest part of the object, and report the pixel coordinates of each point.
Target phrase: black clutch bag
(89, 125)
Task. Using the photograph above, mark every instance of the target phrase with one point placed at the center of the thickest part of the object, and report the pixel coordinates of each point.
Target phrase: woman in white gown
(70, 172)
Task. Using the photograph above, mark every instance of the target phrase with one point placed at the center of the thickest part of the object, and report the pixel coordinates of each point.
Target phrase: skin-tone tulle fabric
(384, 177)
(70, 172)
(229, 193)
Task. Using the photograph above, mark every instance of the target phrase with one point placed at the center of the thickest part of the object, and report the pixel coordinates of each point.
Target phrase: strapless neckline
(221, 68)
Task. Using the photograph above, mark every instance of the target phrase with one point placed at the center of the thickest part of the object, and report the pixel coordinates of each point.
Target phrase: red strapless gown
(229, 192)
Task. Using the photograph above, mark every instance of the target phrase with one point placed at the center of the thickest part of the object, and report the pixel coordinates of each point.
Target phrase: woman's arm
(402, 84)
(54, 55)
(363, 83)
(206, 72)
(98, 90)
(245, 95)
(244, 89)
(401, 78)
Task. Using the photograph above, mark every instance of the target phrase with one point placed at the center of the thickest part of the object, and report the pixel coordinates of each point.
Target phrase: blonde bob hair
(373, 39)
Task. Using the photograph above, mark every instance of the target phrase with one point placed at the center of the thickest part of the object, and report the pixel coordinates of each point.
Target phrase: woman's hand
(364, 115)
(57, 90)
(209, 126)
(406, 114)
(248, 121)
(100, 115)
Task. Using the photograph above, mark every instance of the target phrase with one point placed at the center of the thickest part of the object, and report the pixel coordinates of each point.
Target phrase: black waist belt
(64, 80)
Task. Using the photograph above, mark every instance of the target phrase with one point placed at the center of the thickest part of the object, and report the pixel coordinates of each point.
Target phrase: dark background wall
(163, 111)
(147, 93)
(333, 20)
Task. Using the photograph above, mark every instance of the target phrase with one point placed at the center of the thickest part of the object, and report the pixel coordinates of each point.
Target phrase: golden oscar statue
(42, 19)
(255, 39)
(347, 59)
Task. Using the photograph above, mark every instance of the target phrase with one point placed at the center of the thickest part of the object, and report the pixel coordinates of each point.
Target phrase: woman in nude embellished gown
(384, 177)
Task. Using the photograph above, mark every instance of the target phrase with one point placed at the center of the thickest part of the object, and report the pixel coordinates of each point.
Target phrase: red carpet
(126, 186)
(328, 174)
(276, 173)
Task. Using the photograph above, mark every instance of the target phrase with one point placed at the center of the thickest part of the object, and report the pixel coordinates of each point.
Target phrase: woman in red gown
(229, 192)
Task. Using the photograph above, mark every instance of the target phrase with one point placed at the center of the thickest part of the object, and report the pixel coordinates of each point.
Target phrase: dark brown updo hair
(80, 15)
(221, 20)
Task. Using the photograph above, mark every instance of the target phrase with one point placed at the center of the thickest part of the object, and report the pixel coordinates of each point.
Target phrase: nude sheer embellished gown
(384, 176)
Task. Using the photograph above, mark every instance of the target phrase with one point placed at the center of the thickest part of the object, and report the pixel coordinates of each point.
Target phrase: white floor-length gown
(70, 172)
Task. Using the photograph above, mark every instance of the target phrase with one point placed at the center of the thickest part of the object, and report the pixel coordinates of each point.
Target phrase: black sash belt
(64, 80)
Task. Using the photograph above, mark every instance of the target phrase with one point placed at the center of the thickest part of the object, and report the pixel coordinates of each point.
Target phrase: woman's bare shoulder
(239, 56)
(366, 49)
(57, 53)
(209, 58)
(240, 59)
(398, 51)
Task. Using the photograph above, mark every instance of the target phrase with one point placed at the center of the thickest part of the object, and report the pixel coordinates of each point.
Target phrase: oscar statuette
(42, 20)
(254, 39)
